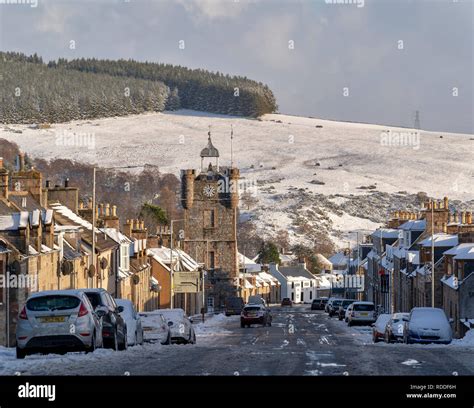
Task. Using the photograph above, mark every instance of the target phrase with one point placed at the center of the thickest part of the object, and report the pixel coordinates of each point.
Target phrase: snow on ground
(206, 332)
(277, 153)
(214, 326)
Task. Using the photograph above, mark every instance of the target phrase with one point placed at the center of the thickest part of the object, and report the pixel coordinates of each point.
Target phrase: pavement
(299, 342)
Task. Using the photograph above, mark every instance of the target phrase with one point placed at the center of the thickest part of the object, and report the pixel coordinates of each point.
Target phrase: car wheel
(21, 353)
(124, 345)
(113, 343)
(91, 348)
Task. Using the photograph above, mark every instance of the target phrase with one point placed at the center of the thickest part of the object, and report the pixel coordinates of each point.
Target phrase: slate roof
(295, 272)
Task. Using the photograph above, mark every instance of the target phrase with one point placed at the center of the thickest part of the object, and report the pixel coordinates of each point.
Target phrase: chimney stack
(114, 211)
(446, 202)
(468, 217)
(21, 161)
(4, 180)
(463, 217)
(107, 209)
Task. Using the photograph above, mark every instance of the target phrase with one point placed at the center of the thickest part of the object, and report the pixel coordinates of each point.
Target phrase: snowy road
(300, 342)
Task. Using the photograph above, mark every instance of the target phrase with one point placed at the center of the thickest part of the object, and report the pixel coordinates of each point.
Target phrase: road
(300, 342)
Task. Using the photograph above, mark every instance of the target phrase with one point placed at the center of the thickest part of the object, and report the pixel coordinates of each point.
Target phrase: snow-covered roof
(441, 240)
(462, 251)
(35, 217)
(413, 225)
(14, 221)
(116, 235)
(338, 259)
(47, 216)
(72, 216)
(247, 284)
(248, 264)
(181, 260)
(451, 281)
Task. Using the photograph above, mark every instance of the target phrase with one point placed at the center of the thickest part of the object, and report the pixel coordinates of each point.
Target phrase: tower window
(209, 218)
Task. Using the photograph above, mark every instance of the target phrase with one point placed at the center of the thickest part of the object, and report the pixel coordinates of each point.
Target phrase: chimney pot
(1, 162)
(114, 211)
(107, 209)
(66, 182)
(21, 160)
(469, 217)
(463, 217)
(446, 202)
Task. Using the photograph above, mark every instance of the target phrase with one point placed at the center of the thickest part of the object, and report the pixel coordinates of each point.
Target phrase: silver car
(155, 327)
(181, 327)
(427, 325)
(58, 320)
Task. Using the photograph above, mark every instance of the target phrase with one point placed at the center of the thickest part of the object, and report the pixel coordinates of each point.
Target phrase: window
(302, 296)
(292, 285)
(292, 295)
(310, 295)
(209, 218)
(124, 257)
(212, 260)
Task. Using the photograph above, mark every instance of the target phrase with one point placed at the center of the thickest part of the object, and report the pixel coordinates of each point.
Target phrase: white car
(362, 313)
(348, 312)
(133, 321)
(378, 328)
(155, 327)
(181, 326)
(427, 325)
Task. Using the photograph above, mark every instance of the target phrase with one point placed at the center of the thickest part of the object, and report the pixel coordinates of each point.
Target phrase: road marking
(300, 342)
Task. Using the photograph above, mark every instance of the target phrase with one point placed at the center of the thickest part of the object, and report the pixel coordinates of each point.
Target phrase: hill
(314, 178)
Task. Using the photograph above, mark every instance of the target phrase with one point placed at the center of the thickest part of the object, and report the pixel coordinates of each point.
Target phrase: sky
(372, 61)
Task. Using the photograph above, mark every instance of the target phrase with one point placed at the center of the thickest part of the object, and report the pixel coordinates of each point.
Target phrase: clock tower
(210, 200)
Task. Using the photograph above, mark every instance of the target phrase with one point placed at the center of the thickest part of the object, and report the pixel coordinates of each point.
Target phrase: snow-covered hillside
(308, 174)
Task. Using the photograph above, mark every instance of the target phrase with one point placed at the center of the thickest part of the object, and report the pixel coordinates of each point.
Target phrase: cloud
(214, 9)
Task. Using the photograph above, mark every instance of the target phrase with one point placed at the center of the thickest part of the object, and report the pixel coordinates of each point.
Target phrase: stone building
(210, 199)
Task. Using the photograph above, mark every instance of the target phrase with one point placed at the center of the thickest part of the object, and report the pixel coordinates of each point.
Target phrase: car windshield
(346, 303)
(94, 298)
(53, 302)
(364, 307)
(336, 302)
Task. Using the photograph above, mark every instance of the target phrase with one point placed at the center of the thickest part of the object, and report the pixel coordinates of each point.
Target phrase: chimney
(101, 210)
(66, 182)
(3, 180)
(463, 217)
(127, 228)
(468, 217)
(107, 209)
(81, 205)
(114, 211)
(48, 183)
(446, 202)
(435, 205)
(21, 161)
(89, 203)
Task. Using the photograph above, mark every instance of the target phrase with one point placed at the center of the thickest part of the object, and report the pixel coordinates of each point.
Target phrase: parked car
(132, 320)
(181, 326)
(378, 328)
(334, 307)
(394, 329)
(427, 325)
(286, 302)
(318, 303)
(329, 303)
(58, 320)
(361, 312)
(255, 314)
(234, 305)
(114, 328)
(341, 313)
(257, 300)
(348, 312)
(155, 327)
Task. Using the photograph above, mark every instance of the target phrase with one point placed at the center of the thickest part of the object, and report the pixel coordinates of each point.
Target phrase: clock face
(209, 190)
